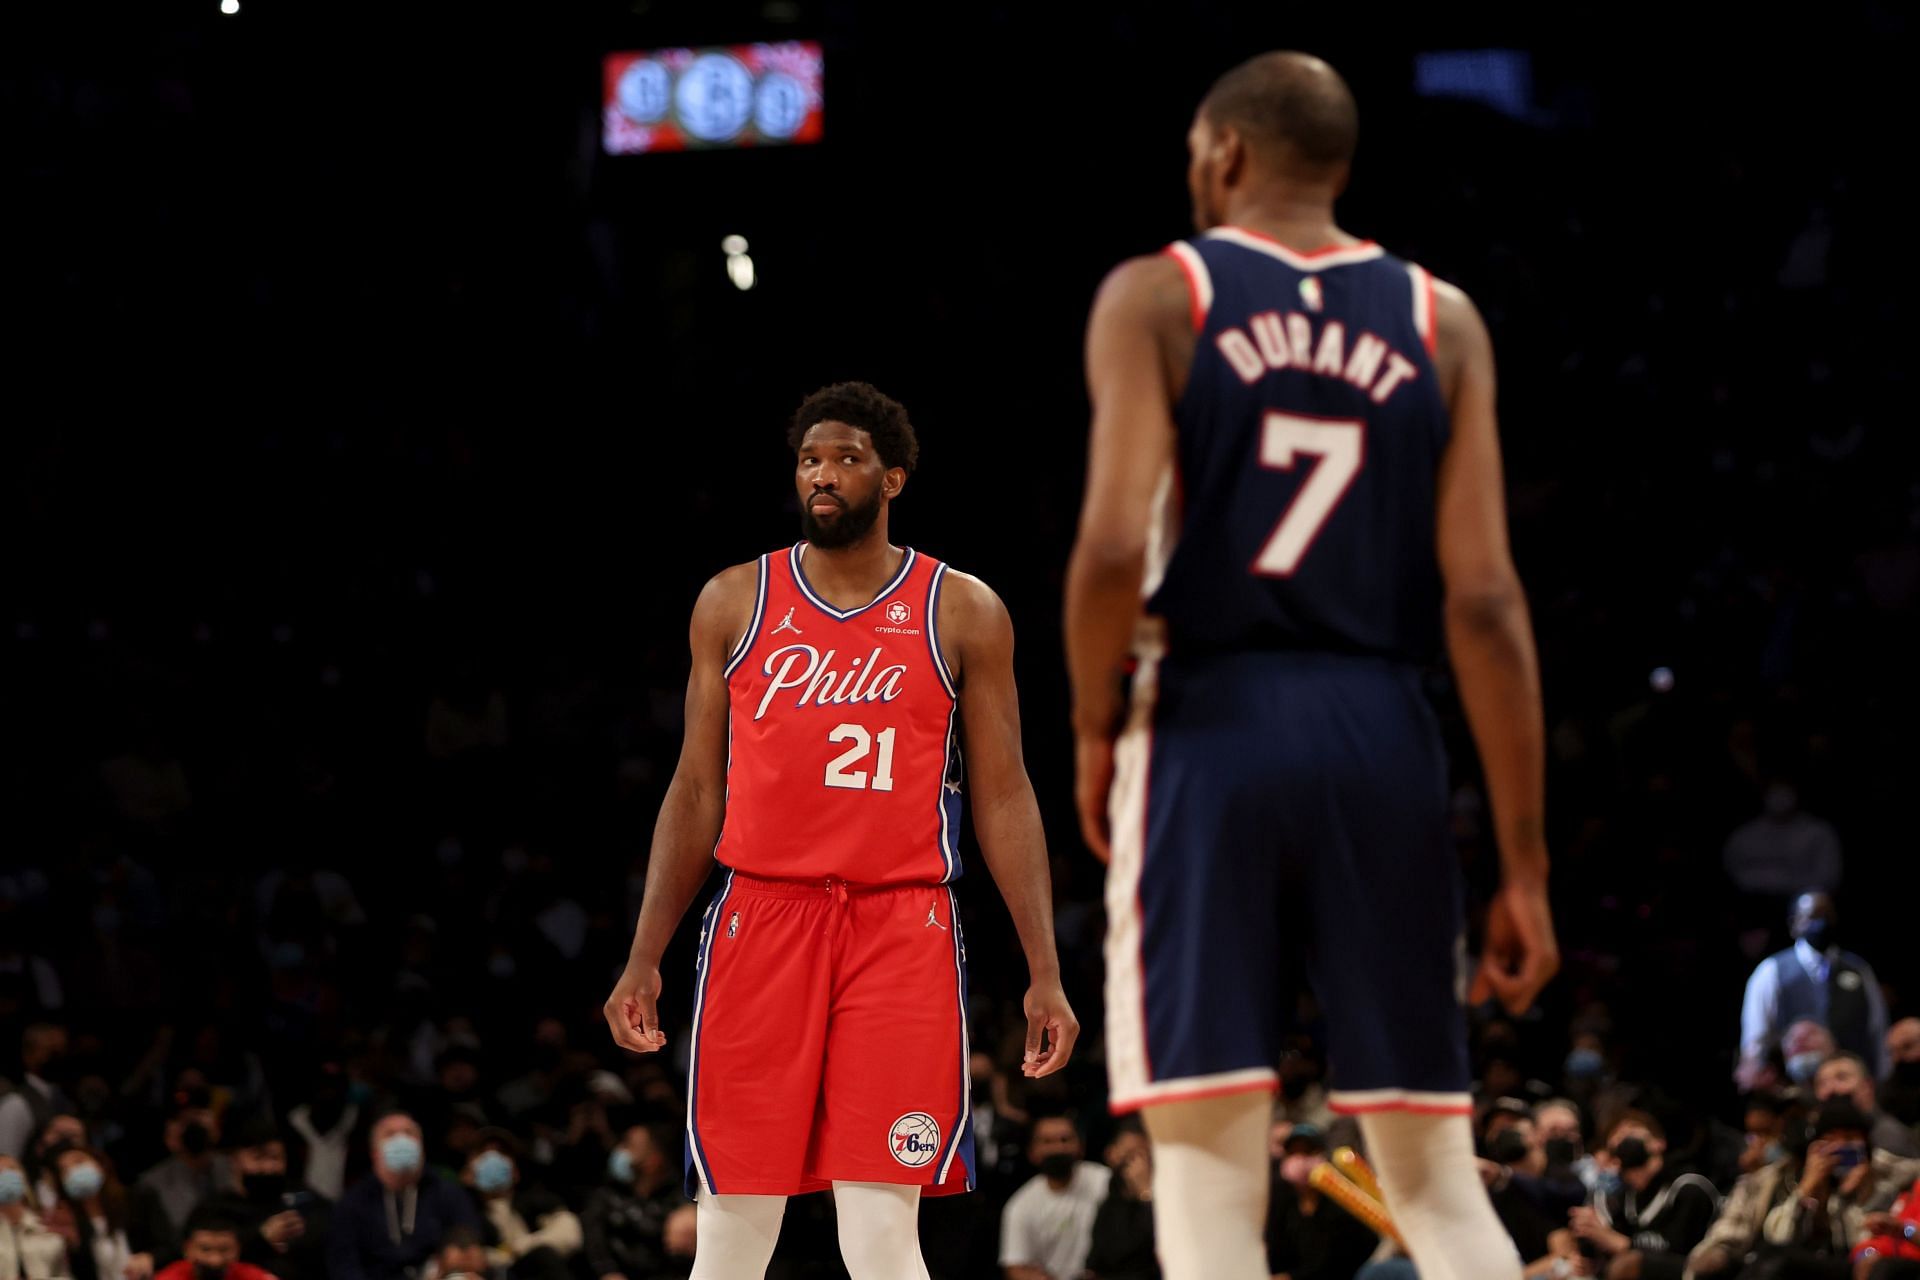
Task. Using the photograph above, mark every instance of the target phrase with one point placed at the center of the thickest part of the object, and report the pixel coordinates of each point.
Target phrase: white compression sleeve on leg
(1210, 1186)
(1436, 1198)
(736, 1235)
(879, 1230)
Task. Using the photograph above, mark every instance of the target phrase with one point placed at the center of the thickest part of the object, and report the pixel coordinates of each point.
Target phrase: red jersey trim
(1199, 281)
(1333, 255)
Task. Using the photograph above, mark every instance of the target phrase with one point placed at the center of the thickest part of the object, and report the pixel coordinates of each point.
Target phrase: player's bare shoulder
(1460, 336)
(973, 622)
(724, 609)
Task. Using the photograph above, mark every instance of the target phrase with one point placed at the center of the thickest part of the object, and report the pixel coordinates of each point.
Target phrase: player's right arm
(690, 816)
(1490, 641)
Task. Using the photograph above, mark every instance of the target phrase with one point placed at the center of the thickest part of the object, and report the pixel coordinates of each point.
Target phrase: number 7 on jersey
(1340, 445)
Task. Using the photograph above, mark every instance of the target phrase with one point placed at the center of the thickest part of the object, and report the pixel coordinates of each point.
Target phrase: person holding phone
(1842, 1181)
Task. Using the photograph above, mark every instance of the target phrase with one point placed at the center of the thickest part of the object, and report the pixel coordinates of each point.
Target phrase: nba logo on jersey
(733, 924)
(914, 1139)
(898, 612)
(1310, 294)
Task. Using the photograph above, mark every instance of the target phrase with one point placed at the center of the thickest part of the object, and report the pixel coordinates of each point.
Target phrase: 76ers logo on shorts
(899, 612)
(914, 1139)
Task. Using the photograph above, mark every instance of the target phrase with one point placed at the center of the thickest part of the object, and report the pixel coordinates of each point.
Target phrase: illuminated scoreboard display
(748, 95)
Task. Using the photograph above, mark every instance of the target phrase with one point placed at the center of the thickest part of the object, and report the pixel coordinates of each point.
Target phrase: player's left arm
(1006, 817)
(1132, 336)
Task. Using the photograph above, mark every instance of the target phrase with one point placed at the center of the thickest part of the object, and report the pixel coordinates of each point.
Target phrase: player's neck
(851, 576)
(1301, 222)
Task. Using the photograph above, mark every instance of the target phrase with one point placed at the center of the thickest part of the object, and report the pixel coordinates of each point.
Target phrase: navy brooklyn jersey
(1310, 438)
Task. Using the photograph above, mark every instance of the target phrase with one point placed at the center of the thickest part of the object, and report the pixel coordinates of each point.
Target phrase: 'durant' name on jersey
(803, 667)
(1287, 340)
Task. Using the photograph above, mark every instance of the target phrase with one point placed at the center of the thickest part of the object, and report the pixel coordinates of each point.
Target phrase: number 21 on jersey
(1340, 445)
(839, 772)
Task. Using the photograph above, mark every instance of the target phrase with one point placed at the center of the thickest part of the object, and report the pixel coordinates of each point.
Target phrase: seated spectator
(1645, 1228)
(61, 1133)
(282, 1228)
(1801, 1218)
(679, 1238)
(1765, 1122)
(392, 1223)
(167, 1194)
(624, 1226)
(1558, 1125)
(526, 1225)
(1046, 1230)
(1901, 1096)
(1894, 1248)
(1123, 1228)
(325, 1124)
(1308, 1237)
(29, 1249)
(1845, 1075)
(92, 1215)
(211, 1252)
(35, 1098)
(464, 1256)
(1844, 1176)
(1530, 1207)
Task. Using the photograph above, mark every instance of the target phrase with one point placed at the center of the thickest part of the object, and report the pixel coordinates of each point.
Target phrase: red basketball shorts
(829, 1040)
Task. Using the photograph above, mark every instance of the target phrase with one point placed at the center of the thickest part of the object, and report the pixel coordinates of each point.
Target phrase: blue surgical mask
(13, 1186)
(1610, 1182)
(83, 1181)
(401, 1153)
(1585, 1064)
(492, 1172)
(620, 1165)
(1804, 1066)
(1774, 1153)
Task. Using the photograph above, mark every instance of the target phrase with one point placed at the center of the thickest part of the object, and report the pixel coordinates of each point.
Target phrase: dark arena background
(373, 429)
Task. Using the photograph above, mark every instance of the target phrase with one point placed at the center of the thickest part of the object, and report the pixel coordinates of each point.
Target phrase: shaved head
(1294, 111)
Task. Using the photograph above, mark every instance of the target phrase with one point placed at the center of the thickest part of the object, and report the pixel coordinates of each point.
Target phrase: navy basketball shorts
(1275, 813)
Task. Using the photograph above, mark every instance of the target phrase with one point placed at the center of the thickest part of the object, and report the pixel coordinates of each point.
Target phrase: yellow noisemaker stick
(1370, 1212)
(1355, 1166)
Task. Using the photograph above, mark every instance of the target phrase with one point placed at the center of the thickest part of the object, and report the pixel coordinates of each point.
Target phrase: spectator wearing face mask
(1123, 1228)
(1901, 1096)
(1309, 1237)
(282, 1227)
(1046, 1230)
(325, 1124)
(1844, 1075)
(1843, 1180)
(167, 1194)
(1765, 1123)
(389, 1225)
(1562, 1140)
(1816, 981)
(29, 1249)
(92, 1214)
(211, 1252)
(527, 1226)
(625, 1222)
(1643, 1227)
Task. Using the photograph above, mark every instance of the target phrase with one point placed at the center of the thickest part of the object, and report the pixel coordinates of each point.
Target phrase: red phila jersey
(843, 757)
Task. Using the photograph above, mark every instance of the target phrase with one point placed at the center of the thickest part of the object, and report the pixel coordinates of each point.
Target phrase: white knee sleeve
(1434, 1193)
(1210, 1186)
(879, 1230)
(736, 1235)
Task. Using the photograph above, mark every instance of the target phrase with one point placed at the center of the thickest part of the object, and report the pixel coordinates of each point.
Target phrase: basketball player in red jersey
(1294, 508)
(833, 684)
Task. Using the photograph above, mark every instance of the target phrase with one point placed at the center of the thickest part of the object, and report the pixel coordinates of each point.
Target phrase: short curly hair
(862, 405)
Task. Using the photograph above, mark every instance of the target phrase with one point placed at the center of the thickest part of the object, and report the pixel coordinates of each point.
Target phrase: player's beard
(853, 524)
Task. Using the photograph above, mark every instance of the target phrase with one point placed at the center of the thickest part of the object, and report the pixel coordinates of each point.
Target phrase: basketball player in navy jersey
(1293, 501)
